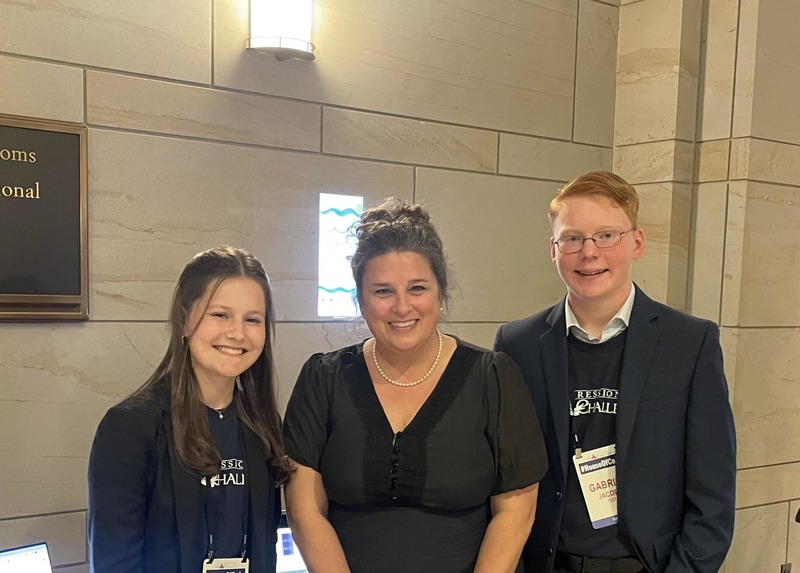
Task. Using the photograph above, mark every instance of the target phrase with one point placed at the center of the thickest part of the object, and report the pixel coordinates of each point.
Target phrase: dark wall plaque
(43, 221)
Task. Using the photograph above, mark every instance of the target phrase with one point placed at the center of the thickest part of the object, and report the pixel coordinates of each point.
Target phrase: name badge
(226, 565)
(597, 474)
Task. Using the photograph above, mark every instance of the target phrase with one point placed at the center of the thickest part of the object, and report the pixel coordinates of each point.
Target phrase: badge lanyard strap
(576, 441)
(245, 512)
(573, 431)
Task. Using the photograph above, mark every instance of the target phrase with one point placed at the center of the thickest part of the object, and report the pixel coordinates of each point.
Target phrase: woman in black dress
(414, 451)
(183, 473)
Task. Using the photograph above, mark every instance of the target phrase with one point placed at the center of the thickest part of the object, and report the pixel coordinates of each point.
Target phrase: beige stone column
(749, 155)
(656, 104)
(716, 148)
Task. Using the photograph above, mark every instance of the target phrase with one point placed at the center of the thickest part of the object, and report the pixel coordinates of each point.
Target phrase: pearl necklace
(407, 384)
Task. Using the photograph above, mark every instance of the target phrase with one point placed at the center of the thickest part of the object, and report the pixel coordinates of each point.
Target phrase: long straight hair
(254, 398)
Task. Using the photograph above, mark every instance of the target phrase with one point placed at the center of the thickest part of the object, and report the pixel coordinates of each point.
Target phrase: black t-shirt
(226, 493)
(594, 373)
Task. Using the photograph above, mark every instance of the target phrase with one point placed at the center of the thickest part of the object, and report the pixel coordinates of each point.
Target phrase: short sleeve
(305, 425)
(520, 455)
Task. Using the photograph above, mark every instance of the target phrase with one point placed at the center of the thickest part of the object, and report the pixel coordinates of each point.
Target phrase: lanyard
(576, 430)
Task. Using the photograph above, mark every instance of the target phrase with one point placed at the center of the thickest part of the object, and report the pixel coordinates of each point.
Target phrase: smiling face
(595, 276)
(400, 302)
(227, 333)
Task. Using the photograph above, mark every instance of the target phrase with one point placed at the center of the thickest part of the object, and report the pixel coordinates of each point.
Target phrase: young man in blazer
(633, 403)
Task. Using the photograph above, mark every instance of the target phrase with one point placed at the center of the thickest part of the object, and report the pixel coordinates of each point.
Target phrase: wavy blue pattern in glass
(337, 289)
(341, 213)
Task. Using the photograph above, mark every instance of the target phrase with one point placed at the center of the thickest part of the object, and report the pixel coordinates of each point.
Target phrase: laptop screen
(289, 560)
(31, 559)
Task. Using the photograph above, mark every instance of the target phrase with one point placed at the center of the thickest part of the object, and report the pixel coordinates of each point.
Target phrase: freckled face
(228, 336)
(592, 274)
(400, 301)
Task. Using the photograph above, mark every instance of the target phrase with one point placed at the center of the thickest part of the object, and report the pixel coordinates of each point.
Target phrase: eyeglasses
(602, 240)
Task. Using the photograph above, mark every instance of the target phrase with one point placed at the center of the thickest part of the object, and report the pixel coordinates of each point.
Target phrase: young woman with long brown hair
(184, 472)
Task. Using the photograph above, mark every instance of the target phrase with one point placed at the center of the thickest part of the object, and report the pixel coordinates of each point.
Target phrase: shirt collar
(618, 323)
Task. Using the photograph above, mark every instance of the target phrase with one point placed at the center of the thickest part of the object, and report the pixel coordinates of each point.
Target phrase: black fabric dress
(417, 500)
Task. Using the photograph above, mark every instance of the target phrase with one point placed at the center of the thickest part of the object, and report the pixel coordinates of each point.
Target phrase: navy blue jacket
(675, 441)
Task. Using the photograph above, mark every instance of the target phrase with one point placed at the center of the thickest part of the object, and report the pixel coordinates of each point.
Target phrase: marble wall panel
(708, 249)
(157, 201)
(767, 396)
(665, 216)
(734, 248)
(595, 72)
(759, 540)
(680, 237)
(65, 534)
(744, 77)
(41, 483)
(648, 72)
(496, 237)
(478, 333)
(66, 375)
(657, 71)
(739, 158)
(777, 74)
(689, 69)
(166, 38)
(718, 70)
(38, 90)
(765, 485)
(770, 257)
(768, 161)
(711, 160)
(359, 134)
(654, 162)
(548, 159)
(496, 64)
(128, 102)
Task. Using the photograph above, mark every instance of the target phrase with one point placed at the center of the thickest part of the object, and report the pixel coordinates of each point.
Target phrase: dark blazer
(147, 512)
(676, 452)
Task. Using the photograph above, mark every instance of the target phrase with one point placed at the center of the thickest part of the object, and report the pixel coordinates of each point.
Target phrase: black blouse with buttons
(415, 500)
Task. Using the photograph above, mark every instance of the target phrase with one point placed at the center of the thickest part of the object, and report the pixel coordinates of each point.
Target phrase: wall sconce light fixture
(282, 28)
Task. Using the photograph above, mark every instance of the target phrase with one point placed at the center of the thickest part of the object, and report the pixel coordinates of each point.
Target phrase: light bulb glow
(280, 25)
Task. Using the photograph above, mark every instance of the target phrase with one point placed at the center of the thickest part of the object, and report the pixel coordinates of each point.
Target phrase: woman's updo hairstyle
(397, 226)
